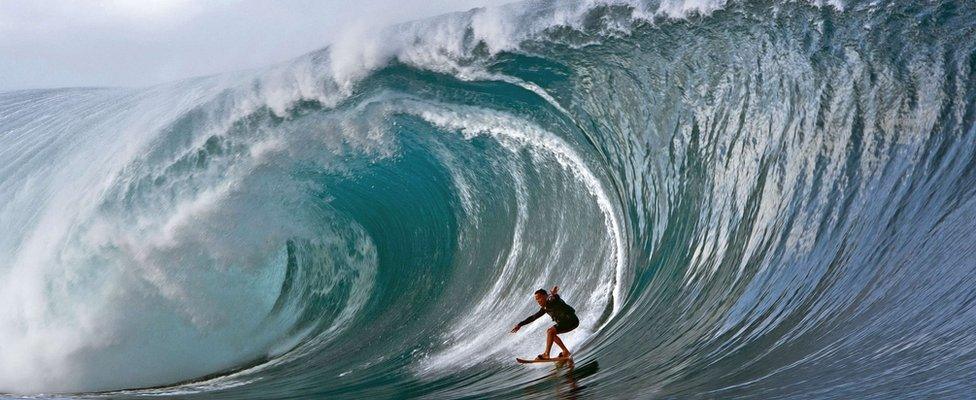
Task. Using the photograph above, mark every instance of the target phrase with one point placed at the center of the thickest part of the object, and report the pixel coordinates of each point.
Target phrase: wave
(740, 199)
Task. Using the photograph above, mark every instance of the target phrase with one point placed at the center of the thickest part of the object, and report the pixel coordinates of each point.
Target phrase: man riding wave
(560, 312)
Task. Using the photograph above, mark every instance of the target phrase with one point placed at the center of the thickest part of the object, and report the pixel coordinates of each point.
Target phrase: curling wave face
(739, 199)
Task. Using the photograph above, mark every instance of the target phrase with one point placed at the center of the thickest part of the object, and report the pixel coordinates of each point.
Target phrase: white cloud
(150, 10)
(55, 43)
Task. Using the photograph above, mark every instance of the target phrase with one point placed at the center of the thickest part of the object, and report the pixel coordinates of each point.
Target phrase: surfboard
(553, 359)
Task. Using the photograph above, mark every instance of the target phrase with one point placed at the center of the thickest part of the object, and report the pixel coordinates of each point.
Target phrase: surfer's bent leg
(550, 337)
(555, 330)
(559, 342)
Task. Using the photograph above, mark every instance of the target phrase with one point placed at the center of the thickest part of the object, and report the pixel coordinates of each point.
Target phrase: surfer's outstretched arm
(529, 320)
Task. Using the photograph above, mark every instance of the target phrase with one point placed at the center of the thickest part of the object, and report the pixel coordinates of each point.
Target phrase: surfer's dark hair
(542, 292)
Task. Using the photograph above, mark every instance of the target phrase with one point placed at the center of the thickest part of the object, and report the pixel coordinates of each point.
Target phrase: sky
(84, 43)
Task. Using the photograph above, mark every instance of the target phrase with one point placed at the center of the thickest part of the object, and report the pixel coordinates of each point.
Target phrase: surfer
(560, 312)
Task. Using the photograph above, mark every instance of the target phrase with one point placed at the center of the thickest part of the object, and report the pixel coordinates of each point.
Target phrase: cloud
(57, 43)
(140, 10)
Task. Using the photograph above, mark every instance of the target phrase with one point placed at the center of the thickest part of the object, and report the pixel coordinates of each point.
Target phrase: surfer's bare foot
(542, 357)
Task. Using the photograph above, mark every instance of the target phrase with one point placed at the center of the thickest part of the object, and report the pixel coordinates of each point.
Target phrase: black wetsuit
(559, 311)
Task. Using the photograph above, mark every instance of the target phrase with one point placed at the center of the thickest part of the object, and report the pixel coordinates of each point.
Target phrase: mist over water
(741, 200)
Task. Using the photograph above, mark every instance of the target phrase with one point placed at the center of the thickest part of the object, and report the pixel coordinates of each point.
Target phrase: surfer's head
(541, 296)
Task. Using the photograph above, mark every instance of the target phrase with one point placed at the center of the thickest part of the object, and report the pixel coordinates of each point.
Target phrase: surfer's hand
(555, 290)
(516, 328)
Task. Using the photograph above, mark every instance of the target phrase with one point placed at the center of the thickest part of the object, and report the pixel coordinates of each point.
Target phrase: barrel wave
(740, 199)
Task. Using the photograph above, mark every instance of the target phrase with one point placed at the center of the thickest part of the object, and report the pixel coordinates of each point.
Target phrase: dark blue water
(741, 200)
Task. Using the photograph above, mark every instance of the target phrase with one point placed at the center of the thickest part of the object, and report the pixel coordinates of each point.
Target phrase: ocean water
(740, 199)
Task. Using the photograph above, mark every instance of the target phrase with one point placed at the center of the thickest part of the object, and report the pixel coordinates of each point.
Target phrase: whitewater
(741, 199)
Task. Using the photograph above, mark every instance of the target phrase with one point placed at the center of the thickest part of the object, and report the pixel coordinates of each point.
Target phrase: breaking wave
(740, 200)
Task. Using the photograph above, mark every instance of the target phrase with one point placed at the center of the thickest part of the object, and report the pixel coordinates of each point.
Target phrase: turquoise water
(740, 199)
